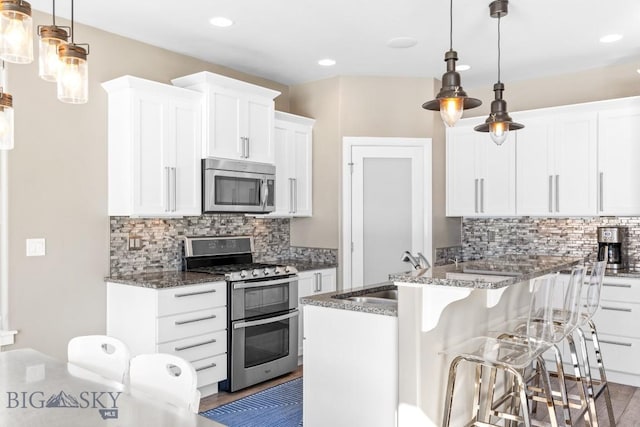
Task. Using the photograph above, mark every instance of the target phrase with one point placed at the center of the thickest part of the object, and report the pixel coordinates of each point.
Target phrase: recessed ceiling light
(610, 38)
(327, 62)
(402, 42)
(221, 21)
(463, 67)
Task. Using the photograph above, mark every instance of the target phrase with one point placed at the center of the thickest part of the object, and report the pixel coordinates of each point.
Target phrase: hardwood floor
(222, 397)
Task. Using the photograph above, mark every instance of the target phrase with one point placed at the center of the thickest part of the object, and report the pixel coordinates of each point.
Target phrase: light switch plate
(35, 247)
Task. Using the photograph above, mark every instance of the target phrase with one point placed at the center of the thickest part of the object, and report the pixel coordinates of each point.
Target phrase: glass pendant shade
(6, 121)
(16, 32)
(452, 100)
(51, 37)
(499, 123)
(73, 74)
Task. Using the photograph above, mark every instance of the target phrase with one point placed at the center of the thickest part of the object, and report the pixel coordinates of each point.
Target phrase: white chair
(167, 377)
(101, 354)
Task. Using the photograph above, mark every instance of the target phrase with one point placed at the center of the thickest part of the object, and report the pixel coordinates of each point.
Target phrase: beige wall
(58, 188)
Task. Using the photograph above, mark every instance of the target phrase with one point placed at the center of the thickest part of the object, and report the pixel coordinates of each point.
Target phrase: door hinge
(351, 246)
(351, 167)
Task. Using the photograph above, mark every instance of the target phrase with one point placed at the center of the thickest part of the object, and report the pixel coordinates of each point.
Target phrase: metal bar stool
(513, 357)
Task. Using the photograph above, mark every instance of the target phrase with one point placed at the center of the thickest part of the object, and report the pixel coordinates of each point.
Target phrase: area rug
(279, 406)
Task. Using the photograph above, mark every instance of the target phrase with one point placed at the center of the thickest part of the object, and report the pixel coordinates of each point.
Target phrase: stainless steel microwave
(237, 186)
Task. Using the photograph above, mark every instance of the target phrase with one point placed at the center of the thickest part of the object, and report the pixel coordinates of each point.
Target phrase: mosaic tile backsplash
(161, 249)
(482, 237)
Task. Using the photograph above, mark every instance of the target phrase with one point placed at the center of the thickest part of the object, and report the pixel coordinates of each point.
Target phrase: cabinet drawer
(171, 328)
(211, 370)
(621, 289)
(618, 354)
(191, 298)
(197, 348)
(618, 318)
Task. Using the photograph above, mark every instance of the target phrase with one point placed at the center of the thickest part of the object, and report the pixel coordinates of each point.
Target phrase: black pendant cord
(451, 25)
(73, 33)
(54, 13)
(499, 49)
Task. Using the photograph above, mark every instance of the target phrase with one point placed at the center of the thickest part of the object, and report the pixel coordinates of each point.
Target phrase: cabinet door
(302, 162)
(223, 125)
(534, 175)
(497, 175)
(306, 283)
(257, 125)
(327, 280)
(151, 158)
(575, 151)
(285, 169)
(618, 156)
(462, 184)
(185, 179)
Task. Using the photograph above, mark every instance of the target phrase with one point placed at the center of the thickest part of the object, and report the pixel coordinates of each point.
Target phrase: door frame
(348, 142)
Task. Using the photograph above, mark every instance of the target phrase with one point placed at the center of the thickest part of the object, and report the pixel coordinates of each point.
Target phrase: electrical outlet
(135, 242)
(492, 236)
(36, 247)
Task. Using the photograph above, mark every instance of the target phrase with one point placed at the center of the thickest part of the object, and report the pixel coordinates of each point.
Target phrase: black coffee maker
(611, 247)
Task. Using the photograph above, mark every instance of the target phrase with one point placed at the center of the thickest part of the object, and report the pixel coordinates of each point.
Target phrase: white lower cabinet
(309, 283)
(616, 321)
(188, 321)
(350, 368)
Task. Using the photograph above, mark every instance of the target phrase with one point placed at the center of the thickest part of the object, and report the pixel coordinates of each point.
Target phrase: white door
(387, 207)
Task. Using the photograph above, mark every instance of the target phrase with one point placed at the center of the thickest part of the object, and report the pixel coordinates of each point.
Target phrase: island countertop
(489, 273)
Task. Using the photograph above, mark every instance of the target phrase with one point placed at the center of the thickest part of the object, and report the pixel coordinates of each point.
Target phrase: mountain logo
(62, 400)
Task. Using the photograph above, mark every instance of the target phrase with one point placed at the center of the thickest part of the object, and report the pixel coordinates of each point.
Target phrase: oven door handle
(265, 321)
(260, 284)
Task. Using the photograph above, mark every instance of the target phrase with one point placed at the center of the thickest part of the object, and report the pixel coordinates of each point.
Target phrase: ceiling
(282, 40)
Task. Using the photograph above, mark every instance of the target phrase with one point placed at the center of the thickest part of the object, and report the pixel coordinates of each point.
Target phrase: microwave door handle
(265, 193)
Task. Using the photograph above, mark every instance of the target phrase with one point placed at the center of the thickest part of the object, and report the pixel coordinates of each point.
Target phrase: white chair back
(166, 377)
(104, 355)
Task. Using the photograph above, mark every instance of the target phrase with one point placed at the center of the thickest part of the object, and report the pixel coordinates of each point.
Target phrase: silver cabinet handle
(624, 344)
(626, 310)
(295, 195)
(319, 282)
(243, 148)
(167, 205)
(601, 191)
(186, 347)
(175, 189)
(482, 195)
(616, 285)
(209, 366)
(210, 291)
(557, 193)
(246, 141)
(476, 195)
(550, 193)
(199, 319)
(290, 195)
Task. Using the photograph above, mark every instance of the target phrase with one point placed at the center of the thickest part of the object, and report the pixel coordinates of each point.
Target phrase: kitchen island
(444, 306)
(381, 366)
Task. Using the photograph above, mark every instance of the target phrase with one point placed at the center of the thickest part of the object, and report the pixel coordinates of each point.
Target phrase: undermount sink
(386, 294)
(374, 300)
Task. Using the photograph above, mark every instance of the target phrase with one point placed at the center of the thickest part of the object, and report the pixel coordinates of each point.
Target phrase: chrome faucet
(424, 263)
(407, 257)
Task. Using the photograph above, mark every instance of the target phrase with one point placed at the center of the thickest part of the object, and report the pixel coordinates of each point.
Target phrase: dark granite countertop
(164, 279)
(489, 273)
(339, 300)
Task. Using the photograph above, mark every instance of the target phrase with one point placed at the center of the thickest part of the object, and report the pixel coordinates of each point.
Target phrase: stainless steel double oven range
(262, 308)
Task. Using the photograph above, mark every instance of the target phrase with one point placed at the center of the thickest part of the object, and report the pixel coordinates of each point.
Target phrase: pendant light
(452, 99)
(16, 31)
(73, 70)
(499, 123)
(51, 37)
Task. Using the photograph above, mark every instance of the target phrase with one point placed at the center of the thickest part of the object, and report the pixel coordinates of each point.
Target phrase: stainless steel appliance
(262, 307)
(237, 186)
(611, 247)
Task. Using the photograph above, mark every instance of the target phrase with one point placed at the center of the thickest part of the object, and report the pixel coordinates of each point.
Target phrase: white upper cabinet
(293, 158)
(238, 117)
(557, 163)
(154, 149)
(480, 174)
(618, 159)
